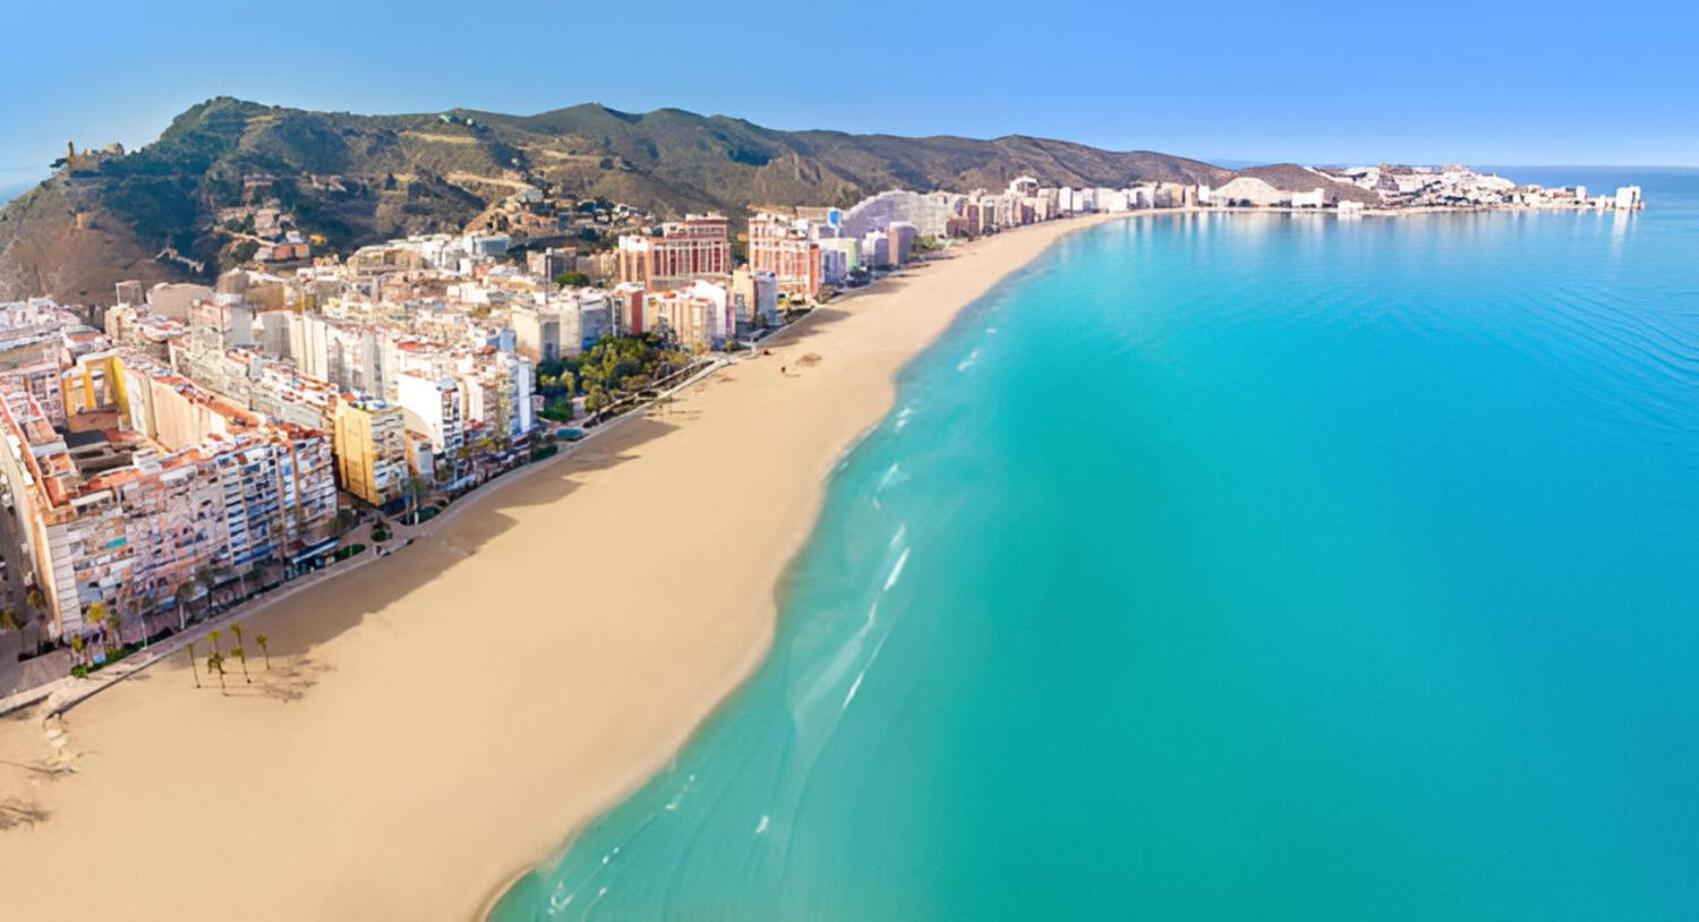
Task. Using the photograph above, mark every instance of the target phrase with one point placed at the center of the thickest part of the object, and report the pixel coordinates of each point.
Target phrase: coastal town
(187, 447)
(902, 462)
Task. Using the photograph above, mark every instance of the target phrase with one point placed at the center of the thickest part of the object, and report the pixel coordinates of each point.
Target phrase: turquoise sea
(1236, 568)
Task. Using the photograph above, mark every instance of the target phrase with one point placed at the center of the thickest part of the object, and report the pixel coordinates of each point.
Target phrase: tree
(203, 577)
(416, 487)
(192, 667)
(215, 663)
(242, 657)
(77, 647)
(214, 638)
(98, 615)
(185, 592)
(261, 639)
(572, 280)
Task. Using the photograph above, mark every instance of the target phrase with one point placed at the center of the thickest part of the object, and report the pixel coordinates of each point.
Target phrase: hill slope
(1291, 177)
(109, 216)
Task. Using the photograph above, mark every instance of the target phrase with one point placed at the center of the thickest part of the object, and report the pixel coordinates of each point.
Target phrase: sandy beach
(436, 721)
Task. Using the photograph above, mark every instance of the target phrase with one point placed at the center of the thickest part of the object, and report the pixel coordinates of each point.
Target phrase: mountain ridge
(105, 216)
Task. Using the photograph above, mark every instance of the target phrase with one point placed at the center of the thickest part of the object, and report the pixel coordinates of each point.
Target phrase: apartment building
(785, 248)
(111, 516)
(678, 253)
(431, 407)
(368, 441)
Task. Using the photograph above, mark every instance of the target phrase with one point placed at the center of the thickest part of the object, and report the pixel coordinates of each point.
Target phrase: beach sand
(435, 722)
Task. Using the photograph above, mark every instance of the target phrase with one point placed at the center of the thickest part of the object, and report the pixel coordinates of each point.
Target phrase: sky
(1560, 82)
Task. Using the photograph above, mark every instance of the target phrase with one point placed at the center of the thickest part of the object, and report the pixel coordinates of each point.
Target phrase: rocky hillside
(152, 213)
(1291, 177)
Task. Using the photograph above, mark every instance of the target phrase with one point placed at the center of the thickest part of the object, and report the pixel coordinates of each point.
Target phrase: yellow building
(94, 393)
(371, 451)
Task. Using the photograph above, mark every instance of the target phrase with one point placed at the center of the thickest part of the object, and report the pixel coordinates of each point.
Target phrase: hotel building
(784, 247)
(682, 251)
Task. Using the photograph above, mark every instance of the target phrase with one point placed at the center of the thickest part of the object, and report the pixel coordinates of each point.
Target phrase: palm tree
(417, 487)
(214, 637)
(236, 628)
(215, 663)
(261, 639)
(203, 577)
(77, 648)
(97, 615)
(185, 592)
(192, 667)
(242, 657)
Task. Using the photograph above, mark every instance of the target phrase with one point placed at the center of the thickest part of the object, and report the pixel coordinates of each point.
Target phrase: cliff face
(1290, 177)
(355, 179)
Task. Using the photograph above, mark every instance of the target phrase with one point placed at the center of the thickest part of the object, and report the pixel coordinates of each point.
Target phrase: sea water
(1233, 567)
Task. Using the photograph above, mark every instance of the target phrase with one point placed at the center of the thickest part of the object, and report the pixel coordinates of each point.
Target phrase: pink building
(684, 250)
(783, 247)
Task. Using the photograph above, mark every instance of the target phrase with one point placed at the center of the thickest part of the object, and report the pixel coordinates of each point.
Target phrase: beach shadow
(16, 812)
(290, 681)
(309, 616)
(814, 323)
(485, 516)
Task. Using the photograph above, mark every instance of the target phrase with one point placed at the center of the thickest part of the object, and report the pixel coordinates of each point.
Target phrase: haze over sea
(1235, 567)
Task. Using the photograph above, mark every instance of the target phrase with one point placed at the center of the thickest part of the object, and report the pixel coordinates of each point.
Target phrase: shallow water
(1236, 567)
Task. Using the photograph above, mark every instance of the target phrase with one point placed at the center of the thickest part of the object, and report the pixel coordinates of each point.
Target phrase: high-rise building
(786, 249)
(903, 237)
(432, 409)
(111, 517)
(697, 316)
(536, 329)
(370, 448)
(627, 300)
(682, 251)
(755, 299)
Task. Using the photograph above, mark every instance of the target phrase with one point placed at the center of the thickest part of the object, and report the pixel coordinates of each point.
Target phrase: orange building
(782, 247)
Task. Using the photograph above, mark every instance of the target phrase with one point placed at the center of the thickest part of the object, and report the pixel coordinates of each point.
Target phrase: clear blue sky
(1560, 82)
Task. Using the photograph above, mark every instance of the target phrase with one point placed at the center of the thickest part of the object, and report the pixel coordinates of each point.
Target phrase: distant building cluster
(1447, 187)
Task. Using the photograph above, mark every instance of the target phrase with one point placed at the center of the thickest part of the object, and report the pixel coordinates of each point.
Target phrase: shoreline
(814, 504)
(406, 755)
